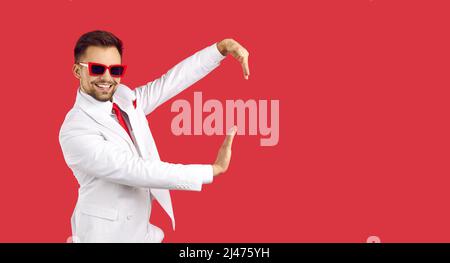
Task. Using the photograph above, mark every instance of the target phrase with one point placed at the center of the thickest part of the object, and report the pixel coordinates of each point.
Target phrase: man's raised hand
(224, 156)
(231, 46)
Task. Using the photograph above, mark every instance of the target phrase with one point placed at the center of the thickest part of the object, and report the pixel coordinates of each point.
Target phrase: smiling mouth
(103, 87)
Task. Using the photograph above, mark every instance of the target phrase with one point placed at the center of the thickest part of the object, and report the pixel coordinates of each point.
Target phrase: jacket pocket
(100, 212)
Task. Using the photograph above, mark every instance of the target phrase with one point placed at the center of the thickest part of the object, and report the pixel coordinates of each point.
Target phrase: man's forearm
(178, 78)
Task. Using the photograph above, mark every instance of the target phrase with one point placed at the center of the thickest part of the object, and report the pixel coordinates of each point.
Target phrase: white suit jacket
(118, 179)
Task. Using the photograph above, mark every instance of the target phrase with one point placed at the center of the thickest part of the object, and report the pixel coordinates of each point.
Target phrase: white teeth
(103, 86)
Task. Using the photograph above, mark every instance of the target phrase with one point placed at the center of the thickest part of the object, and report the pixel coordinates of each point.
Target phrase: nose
(106, 76)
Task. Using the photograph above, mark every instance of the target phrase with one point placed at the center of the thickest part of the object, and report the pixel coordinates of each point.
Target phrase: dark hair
(96, 38)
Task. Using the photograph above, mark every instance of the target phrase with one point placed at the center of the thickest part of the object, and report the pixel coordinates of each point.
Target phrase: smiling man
(107, 143)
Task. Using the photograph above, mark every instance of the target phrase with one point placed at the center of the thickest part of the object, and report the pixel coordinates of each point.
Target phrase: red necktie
(120, 118)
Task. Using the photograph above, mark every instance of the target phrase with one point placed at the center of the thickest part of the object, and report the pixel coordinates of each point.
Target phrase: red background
(364, 134)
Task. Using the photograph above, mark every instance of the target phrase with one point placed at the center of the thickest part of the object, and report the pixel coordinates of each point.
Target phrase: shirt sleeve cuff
(208, 175)
(193, 177)
(214, 53)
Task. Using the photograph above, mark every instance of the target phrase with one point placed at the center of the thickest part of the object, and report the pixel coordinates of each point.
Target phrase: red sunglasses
(97, 69)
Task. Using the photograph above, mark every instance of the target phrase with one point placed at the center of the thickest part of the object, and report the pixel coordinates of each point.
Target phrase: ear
(76, 71)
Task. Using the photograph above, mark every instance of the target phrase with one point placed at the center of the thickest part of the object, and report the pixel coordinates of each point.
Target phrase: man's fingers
(230, 136)
(241, 54)
(245, 67)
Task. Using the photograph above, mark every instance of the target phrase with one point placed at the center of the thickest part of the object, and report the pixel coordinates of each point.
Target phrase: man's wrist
(222, 46)
(216, 169)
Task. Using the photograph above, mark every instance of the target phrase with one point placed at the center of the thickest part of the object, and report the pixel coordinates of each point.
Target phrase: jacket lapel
(100, 116)
(124, 98)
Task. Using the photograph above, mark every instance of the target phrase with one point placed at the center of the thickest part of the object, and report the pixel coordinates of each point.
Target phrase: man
(107, 143)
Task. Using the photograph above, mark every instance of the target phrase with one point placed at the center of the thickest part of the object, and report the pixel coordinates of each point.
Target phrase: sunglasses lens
(97, 69)
(117, 71)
